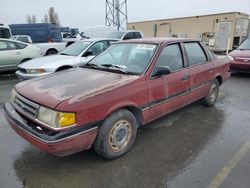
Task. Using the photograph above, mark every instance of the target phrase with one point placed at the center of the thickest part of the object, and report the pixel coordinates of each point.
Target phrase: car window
(23, 39)
(98, 47)
(211, 54)
(138, 35)
(11, 46)
(128, 36)
(171, 57)
(20, 45)
(3, 46)
(133, 58)
(195, 53)
(245, 45)
(75, 49)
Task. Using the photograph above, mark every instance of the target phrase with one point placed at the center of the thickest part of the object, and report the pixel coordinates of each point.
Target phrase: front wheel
(117, 135)
(212, 94)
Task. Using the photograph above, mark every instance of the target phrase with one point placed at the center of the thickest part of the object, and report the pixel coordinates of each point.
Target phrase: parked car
(22, 38)
(5, 31)
(125, 35)
(12, 53)
(104, 102)
(241, 58)
(74, 55)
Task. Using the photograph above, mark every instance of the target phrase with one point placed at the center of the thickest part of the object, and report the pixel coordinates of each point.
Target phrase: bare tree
(33, 19)
(45, 19)
(28, 18)
(53, 16)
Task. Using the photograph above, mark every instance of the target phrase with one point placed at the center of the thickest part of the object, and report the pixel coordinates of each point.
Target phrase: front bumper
(236, 66)
(25, 76)
(60, 143)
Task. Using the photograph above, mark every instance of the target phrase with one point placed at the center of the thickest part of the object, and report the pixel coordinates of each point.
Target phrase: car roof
(97, 39)
(159, 40)
(20, 36)
(11, 40)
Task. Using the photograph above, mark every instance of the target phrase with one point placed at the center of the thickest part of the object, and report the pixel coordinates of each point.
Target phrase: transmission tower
(116, 14)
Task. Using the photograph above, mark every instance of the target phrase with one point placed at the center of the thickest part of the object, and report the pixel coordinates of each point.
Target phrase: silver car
(77, 54)
(12, 53)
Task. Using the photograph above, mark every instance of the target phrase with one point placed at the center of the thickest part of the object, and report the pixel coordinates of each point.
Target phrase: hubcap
(120, 135)
(213, 93)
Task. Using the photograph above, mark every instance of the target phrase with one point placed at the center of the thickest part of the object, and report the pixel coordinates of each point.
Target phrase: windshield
(75, 49)
(5, 33)
(245, 45)
(130, 58)
(115, 35)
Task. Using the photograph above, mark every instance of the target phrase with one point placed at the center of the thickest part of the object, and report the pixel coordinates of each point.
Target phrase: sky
(90, 13)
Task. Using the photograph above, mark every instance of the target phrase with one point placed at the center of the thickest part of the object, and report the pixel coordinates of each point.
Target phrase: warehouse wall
(191, 27)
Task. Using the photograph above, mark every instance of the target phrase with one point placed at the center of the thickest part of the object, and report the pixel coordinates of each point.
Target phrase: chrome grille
(26, 105)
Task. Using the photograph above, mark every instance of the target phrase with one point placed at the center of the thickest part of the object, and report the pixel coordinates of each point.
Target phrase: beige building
(217, 30)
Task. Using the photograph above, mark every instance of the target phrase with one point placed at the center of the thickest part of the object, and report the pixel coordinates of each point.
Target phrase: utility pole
(116, 14)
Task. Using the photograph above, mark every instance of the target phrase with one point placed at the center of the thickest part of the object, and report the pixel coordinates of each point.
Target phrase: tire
(212, 94)
(117, 135)
(51, 52)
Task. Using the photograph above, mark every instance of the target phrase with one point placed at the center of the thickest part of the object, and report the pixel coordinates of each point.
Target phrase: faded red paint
(95, 94)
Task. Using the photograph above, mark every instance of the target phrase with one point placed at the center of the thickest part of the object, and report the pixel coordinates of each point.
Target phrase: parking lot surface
(194, 147)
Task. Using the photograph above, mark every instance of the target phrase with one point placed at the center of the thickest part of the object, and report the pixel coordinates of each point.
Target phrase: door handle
(185, 78)
(18, 53)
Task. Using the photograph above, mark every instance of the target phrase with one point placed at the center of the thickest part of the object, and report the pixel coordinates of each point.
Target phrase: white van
(5, 31)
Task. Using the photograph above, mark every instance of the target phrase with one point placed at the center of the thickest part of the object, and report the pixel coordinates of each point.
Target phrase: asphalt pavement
(193, 147)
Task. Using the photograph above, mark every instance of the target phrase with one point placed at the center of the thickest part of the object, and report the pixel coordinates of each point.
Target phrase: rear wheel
(212, 94)
(117, 135)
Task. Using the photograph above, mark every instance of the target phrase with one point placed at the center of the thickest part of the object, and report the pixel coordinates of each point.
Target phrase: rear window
(195, 53)
(4, 33)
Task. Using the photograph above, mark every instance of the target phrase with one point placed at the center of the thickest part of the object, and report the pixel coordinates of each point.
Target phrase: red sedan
(103, 103)
(241, 58)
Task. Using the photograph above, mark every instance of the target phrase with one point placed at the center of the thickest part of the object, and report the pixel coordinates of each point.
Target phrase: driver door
(169, 92)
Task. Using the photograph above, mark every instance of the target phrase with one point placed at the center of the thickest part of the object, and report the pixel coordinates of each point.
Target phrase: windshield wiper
(115, 67)
(63, 54)
(91, 65)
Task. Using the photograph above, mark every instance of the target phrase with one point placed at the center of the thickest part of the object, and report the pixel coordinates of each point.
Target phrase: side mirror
(88, 53)
(161, 71)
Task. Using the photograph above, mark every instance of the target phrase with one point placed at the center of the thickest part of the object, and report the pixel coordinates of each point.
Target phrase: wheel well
(219, 78)
(63, 68)
(27, 59)
(51, 49)
(137, 114)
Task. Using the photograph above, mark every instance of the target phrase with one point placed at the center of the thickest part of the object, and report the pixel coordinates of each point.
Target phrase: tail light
(49, 40)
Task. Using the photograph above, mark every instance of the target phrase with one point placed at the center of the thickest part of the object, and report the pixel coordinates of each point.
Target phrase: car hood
(45, 61)
(74, 84)
(240, 53)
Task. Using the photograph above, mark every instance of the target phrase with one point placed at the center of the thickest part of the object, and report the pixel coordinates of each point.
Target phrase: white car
(77, 54)
(22, 38)
(13, 52)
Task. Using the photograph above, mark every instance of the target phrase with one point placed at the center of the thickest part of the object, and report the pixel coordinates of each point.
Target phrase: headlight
(56, 119)
(35, 71)
(13, 95)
